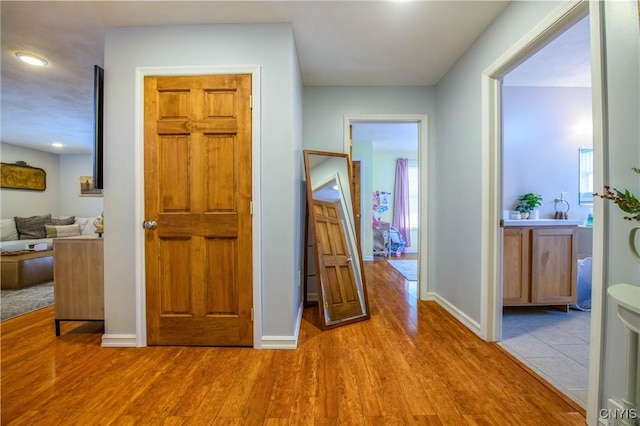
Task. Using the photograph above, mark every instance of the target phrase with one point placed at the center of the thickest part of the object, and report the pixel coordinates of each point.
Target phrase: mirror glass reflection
(342, 297)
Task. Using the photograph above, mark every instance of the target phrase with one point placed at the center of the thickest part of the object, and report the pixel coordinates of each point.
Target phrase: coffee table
(26, 268)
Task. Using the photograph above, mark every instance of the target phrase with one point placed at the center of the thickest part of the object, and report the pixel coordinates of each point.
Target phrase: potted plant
(528, 202)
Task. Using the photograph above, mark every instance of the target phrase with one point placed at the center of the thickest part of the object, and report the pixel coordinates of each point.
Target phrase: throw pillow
(31, 228)
(69, 220)
(8, 231)
(62, 231)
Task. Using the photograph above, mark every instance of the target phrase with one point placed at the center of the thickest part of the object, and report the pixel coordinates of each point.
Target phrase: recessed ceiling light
(32, 59)
(57, 144)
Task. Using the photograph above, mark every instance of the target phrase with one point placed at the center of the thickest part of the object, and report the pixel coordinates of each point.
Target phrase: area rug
(18, 302)
(408, 268)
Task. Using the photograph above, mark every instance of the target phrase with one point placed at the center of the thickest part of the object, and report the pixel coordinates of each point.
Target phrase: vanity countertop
(542, 222)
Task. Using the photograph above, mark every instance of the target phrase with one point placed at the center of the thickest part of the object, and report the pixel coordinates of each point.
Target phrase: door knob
(149, 224)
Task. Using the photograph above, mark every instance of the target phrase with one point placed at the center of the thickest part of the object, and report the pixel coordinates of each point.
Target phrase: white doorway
(546, 123)
(491, 315)
(419, 123)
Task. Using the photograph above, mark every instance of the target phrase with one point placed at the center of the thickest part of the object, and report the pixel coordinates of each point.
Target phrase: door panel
(515, 266)
(341, 300)
(198, 190)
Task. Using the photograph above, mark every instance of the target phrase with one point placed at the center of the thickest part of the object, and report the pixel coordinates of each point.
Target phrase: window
(414, 190)
(585, 170)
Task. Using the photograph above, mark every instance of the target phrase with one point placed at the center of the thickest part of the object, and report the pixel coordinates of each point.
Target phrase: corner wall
(324, 111)
(457, 196)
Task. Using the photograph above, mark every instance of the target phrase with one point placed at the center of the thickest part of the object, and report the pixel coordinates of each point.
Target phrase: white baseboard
(312, 297)
(456, 313)
(119, 341)
(367, 258)
(411, 250)
(284, 342)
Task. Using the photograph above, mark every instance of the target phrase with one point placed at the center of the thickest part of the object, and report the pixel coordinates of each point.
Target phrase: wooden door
(554, 265)
(197, 160)
(337, 277)
(515, 266)
(356, 181)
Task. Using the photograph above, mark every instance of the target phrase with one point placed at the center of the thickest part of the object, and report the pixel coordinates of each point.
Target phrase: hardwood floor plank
(411, 363)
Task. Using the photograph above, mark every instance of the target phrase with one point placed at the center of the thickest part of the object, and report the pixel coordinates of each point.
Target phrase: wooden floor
(411, 363)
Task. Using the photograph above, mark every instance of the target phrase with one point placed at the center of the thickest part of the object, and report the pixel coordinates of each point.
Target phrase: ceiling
(564, 62)
(339, 43)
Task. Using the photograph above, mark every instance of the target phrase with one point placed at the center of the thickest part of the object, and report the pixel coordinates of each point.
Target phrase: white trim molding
(466, 320)
(284, 342)
(119, 341)
(423, 156)
(141, 72)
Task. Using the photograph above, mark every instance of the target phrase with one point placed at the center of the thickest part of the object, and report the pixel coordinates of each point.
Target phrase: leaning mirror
(342, 296)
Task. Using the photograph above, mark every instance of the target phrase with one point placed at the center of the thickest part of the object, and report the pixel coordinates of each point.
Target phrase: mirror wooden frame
(344, 278)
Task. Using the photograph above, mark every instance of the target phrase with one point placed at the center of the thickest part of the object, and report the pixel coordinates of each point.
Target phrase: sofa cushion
(8, 230)
(86, 225)
(68, 220)
(62, 231)
(32, 227)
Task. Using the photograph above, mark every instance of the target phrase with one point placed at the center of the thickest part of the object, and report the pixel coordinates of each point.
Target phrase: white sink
(627, 297)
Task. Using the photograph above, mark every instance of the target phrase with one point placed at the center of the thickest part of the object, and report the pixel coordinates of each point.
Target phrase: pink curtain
(401, 200)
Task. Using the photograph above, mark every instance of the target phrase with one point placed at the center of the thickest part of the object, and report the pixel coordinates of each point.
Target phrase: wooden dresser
(78, 274)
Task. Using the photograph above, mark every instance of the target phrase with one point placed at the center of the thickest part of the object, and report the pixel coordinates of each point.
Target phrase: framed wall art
(19, 175)
(87, 189)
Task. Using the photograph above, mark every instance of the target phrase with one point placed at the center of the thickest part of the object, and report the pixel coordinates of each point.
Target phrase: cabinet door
(553, 265)
(78, 278)
(515, 266)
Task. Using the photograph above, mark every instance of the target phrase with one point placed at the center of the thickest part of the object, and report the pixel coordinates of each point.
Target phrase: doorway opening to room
(546, 257)
(389, 156)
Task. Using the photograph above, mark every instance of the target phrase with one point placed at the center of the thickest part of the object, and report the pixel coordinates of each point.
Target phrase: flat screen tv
(98, 107)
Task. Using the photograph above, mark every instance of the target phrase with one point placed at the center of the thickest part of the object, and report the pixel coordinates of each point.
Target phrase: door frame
(140, 284)
(563, 16)
(423, 170)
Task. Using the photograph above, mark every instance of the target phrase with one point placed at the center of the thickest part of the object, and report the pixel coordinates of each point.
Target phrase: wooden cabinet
(78, 279)
(515, 266)
(539, 265)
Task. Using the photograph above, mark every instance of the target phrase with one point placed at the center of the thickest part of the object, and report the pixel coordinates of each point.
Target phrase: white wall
(324, 111)
(623, 139)
(269, 46)
(24, 203)
(458, 173)
(543, 127)
(72, 166)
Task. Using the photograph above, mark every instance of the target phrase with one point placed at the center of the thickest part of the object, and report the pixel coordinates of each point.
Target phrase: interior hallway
(412, 363)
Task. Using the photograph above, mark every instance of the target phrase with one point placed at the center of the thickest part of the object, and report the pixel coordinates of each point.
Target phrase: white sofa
(10, 239)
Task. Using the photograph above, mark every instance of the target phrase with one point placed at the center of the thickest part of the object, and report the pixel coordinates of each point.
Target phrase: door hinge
(251, 208)
(251, 314)
(251, 101)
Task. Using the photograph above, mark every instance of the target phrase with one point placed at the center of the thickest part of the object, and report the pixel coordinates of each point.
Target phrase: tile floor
(553, 343)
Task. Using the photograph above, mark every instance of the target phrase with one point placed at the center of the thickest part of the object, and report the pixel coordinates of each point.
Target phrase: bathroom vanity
(539, 264)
